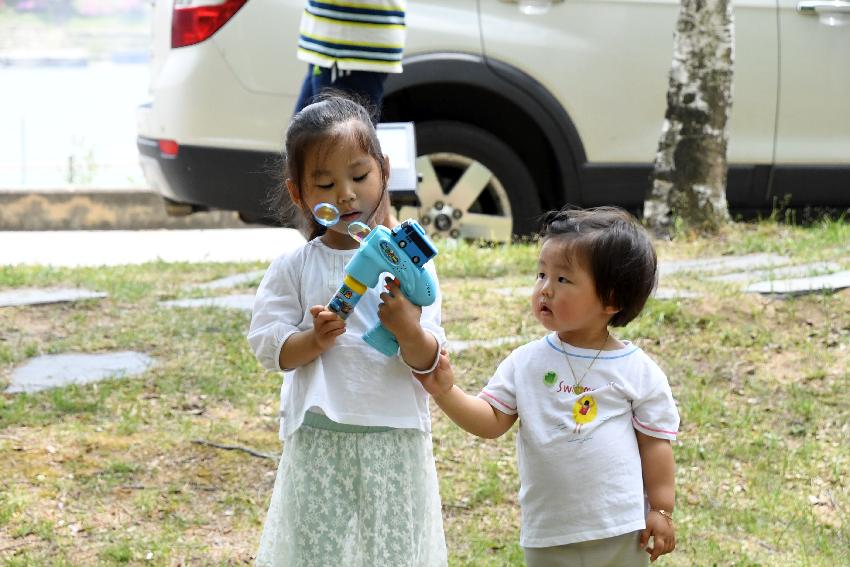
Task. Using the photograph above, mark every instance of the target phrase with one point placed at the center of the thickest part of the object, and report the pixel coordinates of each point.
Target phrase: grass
(107, 474)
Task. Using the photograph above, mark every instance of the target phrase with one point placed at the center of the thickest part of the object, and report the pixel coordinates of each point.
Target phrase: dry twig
(248, 450)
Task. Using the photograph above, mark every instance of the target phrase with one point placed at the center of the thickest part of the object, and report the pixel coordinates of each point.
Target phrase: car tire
(473, 185)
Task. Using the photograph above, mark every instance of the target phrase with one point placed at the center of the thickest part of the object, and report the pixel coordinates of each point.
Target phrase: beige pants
(617, 551)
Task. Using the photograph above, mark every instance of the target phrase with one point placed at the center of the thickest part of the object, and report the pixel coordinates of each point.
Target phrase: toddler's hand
(327, 326)
(397, 313)
(663, 535)
(440, 380)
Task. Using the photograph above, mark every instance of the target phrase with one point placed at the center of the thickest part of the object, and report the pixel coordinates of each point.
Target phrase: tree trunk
(689, 179)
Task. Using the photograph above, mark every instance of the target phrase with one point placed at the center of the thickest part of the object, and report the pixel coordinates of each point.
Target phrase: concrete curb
(99, 209)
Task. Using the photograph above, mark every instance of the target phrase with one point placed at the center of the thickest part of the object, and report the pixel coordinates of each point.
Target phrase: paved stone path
(233, 281)
(120, 247)
(244, 302)
(55, 370)
(722, 264)
(663, 293)
(801, 270)
(802, 286)
(39, 296)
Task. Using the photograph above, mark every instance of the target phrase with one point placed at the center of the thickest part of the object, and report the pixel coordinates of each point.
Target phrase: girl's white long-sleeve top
(350, 382)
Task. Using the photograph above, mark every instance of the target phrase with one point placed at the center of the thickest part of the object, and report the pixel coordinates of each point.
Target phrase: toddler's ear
(294, 193)
(611, 307)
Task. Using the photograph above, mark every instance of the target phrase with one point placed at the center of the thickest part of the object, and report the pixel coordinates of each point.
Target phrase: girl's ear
(385, 172)
(384, 212)
(294, 193)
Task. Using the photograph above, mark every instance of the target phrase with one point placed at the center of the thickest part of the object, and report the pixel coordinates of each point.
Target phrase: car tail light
(168, 148)
(193, 21)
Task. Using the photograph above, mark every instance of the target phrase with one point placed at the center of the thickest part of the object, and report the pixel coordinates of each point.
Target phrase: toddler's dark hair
(616, 250)
(318, 127)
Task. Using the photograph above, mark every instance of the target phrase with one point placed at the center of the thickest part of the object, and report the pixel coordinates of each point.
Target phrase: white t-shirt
(351, 382)
(579, 464)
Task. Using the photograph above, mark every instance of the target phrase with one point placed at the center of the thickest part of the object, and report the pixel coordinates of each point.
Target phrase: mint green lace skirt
(354, 496)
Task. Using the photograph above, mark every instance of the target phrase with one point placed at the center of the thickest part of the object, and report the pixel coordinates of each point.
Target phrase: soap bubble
(326, 214)
(358, 230)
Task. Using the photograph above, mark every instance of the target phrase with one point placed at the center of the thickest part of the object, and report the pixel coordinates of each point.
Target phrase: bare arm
(304, 347)
(469, 412)
(659, 471)
(659, 481)
(417, 346)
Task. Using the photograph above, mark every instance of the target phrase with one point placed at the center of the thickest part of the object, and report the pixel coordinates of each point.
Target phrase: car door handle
(823, 7)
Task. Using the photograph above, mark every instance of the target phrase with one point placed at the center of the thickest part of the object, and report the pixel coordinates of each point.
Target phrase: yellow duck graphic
(584, 411)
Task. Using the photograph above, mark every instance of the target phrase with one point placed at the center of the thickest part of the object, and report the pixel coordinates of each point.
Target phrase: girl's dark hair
(616, 250)
(318, 127)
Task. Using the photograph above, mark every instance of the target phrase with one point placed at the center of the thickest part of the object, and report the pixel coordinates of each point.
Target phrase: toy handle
(379, 338)
(420, 290)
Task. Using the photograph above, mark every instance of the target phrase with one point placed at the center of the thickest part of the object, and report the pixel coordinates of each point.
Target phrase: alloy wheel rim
(461, 198)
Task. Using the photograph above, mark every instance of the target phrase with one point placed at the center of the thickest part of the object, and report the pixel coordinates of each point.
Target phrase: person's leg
(617, 551)
(555, 556)
(401, 520)
(312, 519)
(626, 551)
(368, 85)
(307, 91)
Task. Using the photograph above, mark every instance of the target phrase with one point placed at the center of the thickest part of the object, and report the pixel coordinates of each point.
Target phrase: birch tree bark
(689, 177)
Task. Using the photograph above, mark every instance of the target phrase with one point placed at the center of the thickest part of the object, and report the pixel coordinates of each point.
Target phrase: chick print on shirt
(584, 411)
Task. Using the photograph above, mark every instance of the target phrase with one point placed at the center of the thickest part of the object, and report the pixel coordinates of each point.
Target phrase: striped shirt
(361, 35)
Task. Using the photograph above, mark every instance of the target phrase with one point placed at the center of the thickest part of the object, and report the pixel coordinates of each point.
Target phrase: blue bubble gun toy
(403, 252)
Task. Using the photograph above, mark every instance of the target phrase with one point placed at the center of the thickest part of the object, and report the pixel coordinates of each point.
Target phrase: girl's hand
(663, 535)
(441, 380)
(327, 326)
(397, 313)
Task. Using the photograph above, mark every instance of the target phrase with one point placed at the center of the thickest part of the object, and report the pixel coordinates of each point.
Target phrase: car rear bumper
(213, 178)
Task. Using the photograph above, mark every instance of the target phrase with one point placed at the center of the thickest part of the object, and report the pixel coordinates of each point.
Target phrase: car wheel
(473, 185)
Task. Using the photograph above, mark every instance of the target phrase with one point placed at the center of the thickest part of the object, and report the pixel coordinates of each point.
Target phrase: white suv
(515, 110)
